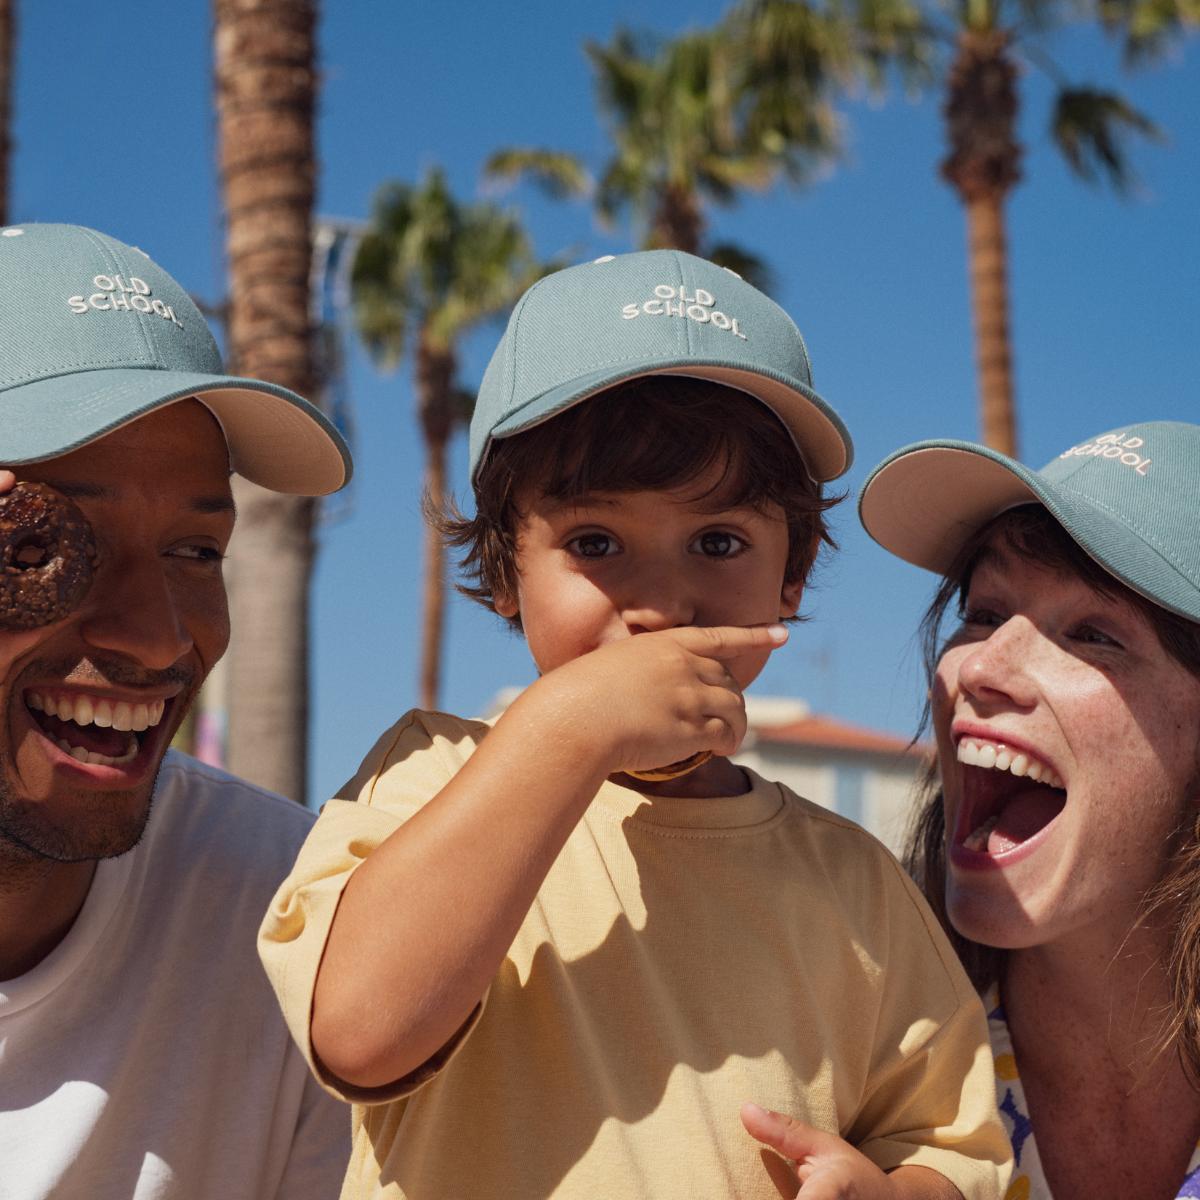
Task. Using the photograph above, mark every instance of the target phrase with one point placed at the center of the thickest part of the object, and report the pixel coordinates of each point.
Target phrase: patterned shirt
(1028, 1180)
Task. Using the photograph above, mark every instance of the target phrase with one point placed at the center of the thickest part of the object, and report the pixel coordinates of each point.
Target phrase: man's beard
(78, 824)
(97, 825)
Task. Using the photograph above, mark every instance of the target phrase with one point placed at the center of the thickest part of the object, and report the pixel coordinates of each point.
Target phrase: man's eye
(719, 544)
(593, 545)
(204, 554)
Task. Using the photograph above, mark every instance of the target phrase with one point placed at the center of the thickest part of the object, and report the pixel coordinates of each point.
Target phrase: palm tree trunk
(678, 223)
(8, 37)
(982, 166)
(266, 88)
(435, 382)
(433, 590)
(988, 267)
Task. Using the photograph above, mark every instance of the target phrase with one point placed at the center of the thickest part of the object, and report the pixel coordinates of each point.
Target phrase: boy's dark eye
(593, 545)
(717, 543)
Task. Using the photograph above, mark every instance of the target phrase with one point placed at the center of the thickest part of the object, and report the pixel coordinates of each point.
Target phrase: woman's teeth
(978, 839)
(995, 756)
(92, 710)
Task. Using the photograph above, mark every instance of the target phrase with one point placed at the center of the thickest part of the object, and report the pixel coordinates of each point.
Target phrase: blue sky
(115, 129)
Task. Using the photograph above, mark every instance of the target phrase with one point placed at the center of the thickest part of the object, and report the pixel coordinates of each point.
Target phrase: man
(141, 1052)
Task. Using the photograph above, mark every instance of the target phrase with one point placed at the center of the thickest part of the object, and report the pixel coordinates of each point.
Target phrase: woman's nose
(997, 669)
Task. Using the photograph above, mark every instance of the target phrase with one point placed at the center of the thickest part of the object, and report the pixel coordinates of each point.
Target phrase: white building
(856, 772)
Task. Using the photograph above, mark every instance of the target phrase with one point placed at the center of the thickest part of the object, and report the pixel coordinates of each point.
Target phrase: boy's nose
(660, 609)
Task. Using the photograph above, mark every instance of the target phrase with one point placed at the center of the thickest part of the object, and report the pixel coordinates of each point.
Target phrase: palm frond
(1090, 127)
(560, 175)
(1148, 28)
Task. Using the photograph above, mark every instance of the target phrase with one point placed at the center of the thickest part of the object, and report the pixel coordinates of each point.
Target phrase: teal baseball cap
(1130, 498)
(94, 334)
(581, 330)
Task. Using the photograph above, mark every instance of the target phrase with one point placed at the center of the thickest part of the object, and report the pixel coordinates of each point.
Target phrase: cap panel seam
(111, 257)
(78, 368)
(1152, 541)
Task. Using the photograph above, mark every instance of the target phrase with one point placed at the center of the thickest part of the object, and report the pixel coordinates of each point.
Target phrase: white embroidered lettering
(697, 306)
(140, 303)
(78, 304)
(95, 301)
(120, 300)
(139, 285)
(103, 283)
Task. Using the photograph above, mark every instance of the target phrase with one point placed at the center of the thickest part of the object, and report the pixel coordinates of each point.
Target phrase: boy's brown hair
(654, 433)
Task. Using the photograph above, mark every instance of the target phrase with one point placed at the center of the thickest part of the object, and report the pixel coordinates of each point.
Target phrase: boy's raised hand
(822, 1166)
(661, 696)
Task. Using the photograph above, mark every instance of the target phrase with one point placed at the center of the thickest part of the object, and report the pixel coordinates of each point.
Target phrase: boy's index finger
(729, 641)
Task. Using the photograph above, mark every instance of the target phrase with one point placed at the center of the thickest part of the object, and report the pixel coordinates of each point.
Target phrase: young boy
(537, 973)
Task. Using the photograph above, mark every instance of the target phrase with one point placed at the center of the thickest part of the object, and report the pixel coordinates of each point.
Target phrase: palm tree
(681, 142)
(265, 66)
(978, 48)
(8, 35)
(428, 268)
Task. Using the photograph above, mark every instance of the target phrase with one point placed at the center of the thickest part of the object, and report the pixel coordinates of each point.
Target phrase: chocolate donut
(47, 556)
(675, 769)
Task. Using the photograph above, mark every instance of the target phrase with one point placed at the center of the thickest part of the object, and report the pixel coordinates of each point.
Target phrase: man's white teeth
(79, 754)
(94, 710)
(994, 756)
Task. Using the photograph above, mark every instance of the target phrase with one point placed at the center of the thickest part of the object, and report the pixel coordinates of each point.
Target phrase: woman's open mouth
(1008, 796)
(96, 730)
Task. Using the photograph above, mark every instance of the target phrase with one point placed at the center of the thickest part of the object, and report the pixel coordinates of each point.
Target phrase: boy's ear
(789, 600)
(505, 605)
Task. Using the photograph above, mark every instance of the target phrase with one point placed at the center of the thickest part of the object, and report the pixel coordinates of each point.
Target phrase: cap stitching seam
(111, 257)
(77, 368)
(1148, 538)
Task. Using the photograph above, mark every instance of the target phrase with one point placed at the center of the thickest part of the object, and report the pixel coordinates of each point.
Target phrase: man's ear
(789, 600)
(505, 605)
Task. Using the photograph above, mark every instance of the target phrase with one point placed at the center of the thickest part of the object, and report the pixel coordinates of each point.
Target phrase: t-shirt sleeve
(931, 1100)
(409, 765)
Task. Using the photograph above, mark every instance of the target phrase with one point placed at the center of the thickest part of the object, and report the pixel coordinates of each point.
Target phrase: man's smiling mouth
(1008, 796)
(94, 729)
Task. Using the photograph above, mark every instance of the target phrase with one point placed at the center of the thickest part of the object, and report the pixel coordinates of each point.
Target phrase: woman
(1060, 843)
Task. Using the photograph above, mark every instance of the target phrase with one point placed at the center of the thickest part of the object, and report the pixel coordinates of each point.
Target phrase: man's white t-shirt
(145, 1058)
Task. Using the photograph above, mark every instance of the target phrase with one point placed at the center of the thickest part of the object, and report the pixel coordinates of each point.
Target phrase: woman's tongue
(1023, 814)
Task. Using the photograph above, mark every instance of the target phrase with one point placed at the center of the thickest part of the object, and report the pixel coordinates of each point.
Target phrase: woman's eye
(979, 616)
(593, 545)
(719, 544)
(1093, 636)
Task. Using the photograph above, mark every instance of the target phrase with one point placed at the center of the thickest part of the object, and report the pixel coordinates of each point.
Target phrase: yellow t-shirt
(682, 956)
